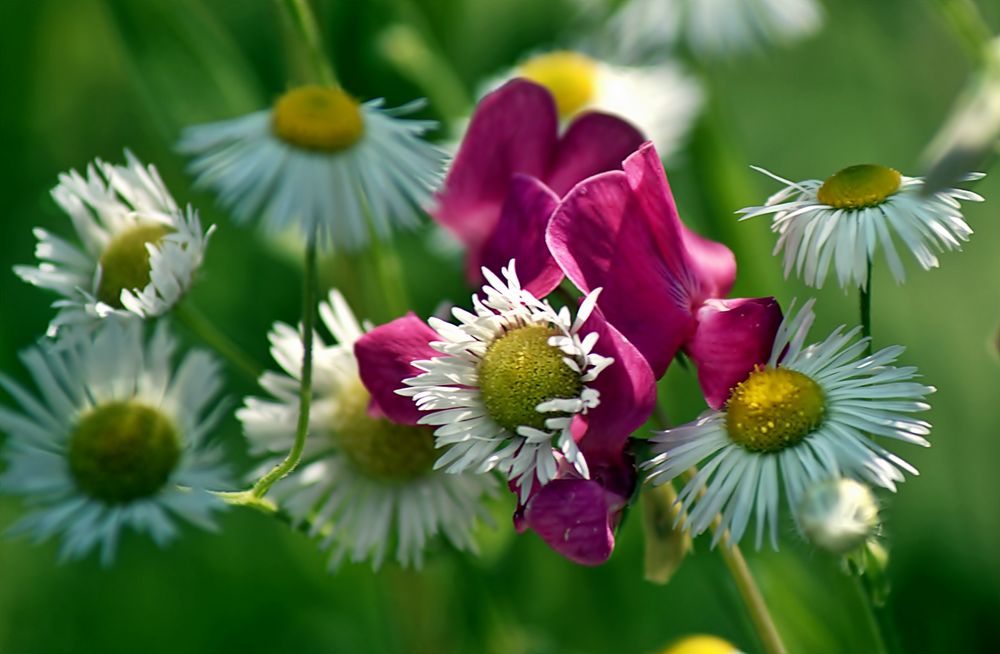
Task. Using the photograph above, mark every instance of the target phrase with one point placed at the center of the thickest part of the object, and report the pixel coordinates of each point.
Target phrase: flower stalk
(203, 328)
(303, 20)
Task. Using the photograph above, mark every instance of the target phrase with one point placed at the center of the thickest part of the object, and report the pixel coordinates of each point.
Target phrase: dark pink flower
(510, 171)
(574, 510)
(620, 231)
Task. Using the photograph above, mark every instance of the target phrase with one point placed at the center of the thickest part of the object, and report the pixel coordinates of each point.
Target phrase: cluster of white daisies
(116, 435)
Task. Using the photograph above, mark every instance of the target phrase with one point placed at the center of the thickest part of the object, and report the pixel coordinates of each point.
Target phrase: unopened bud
(838, 515)
(665, 539)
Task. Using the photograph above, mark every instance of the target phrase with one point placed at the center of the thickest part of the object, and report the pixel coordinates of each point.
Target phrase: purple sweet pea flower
(620, 230)
(510, 171)
(574, 512)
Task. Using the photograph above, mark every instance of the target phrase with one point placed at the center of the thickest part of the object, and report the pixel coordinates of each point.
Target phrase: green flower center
(123, 451)
(125, 262)
(377, 447)
(858, 187)
(570, 77)
(519, 371)
(322, 118)
(774, 408)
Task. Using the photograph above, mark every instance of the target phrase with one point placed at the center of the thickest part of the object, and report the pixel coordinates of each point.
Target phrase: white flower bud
(838, 515)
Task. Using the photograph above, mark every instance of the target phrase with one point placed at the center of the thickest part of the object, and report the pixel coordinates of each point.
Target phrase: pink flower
(662, 283)
(511, 170)
(574, 513)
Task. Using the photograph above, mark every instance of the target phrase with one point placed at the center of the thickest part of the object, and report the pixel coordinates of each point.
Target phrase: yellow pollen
(322, 118)
(125, 261)
(858, 187)
(774, 408)
(519, 371)
(570, 77)
(377, 447)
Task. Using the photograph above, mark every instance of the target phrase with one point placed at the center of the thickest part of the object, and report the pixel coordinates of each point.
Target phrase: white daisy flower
(367, 482)
(321, 162)
(661, 100)
(808, 415)
(139, 250)
(514, 374)
(838, 515)
(710, 28)
(841, 222)
(115, 439)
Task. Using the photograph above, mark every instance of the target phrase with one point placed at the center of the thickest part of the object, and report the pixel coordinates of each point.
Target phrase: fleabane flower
(510, 170)
(838, 515)
(842, 221)
(517, 386)
(806, 414)
(663, 284)
(321, 162)
(641, 29)
(139, 250)
(115, 438)
(369, 484)
(662, 100)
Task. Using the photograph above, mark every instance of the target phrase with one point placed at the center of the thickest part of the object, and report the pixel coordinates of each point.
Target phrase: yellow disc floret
(570, 77)
(774, 408)
(701, 645)
(377, 447)
(519, 371)
(122, 451)
(125, 261)
(858, 187)
(322, 118)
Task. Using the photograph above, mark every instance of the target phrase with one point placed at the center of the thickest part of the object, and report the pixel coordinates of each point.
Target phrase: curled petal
(593, 143)
(732, 336)
(572, 517)
(384, 361)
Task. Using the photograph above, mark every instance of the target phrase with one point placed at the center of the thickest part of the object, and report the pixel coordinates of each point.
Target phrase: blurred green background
(86, 78)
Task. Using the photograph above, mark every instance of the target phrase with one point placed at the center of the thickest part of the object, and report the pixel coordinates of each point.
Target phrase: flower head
(370, 480)
(808, 412)
(547, 399)
(139, 250)
(838, 515)
(662, 100)
(116, 439)
(620, 231)
(322, 162)
(842, 221)
(510, 171)
(701, 645)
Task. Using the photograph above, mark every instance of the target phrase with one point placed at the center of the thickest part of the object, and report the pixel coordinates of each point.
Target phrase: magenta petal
(572, 517)
(520, 235)
(384, 361)
(627, 394)
(593, 143)
(513, 130)
(601, 239)
(731, 338)
(704, 268)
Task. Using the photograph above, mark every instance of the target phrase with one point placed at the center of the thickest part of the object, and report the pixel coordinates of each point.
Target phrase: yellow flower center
(519, 371)
(774, 408)
(122, 451)
(701, 645)
(322, 118)
(858, 187)
(570, 77)
(377, 447)
(125, 261)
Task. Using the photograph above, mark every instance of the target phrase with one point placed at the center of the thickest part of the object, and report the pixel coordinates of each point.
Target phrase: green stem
(203, 328)
(413, 56)
(865, 306)
(871, 615)
(967, 24)
(389, 271)
(309, 299)
(304, 21)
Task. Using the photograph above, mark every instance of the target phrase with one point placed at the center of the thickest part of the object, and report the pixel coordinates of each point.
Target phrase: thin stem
(309, 300)
(865, 302)
(739, 570)
(874, 624)
(204, 329)
(304, 21)
(389, 271)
